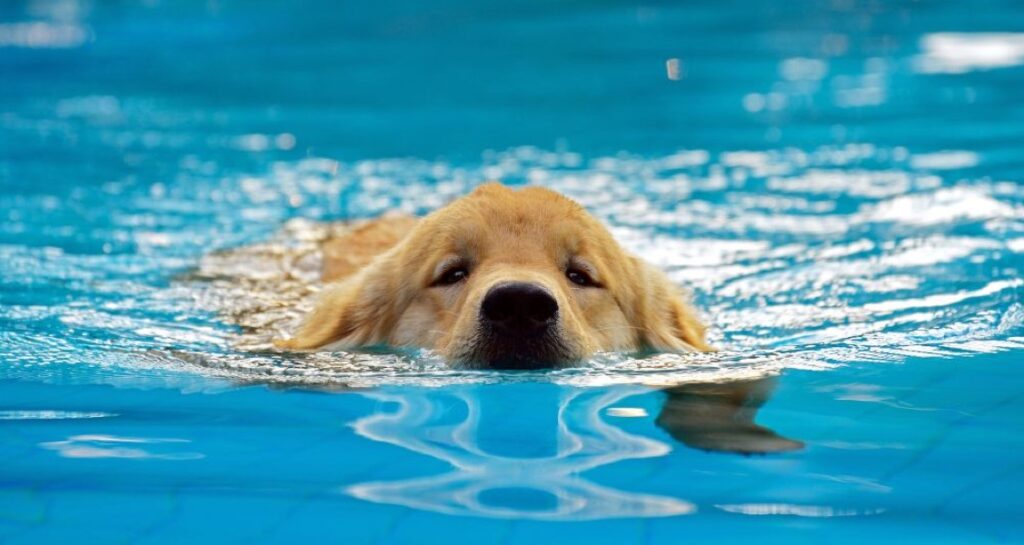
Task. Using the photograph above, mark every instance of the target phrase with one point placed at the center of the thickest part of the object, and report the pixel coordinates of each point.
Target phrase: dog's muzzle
(519, 310)
(519, 327)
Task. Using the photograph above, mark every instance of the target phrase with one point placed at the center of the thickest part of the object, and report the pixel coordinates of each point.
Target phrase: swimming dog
(501, 278)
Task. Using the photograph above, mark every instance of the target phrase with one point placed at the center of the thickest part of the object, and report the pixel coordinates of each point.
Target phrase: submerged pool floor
(838, 183)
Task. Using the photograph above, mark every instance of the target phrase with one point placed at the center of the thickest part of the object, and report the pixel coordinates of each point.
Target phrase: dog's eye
(580, 278)
(452, 276)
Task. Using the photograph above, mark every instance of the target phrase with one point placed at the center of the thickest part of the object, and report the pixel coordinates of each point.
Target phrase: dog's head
(506, 279)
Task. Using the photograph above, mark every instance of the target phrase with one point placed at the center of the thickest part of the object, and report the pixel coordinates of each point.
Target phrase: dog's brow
(584, 265)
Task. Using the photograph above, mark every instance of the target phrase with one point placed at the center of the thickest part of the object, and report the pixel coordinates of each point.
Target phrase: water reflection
(720, 417)
(525, 455)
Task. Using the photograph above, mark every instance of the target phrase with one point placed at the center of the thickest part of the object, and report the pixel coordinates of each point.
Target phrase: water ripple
(799, 258)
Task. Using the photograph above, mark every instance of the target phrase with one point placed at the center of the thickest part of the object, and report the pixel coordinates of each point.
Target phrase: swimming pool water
(839, 184)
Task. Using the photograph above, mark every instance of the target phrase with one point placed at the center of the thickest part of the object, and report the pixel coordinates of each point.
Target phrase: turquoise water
(837, 182)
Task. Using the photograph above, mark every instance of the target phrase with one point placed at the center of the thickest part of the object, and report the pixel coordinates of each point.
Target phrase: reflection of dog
(499, 278)
(719, 417)
(568, 433)
(486, 479)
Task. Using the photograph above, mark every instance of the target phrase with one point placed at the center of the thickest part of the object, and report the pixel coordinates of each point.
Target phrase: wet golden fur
(386, 290)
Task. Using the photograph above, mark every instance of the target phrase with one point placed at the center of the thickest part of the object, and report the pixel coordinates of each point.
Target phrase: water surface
(838, 184)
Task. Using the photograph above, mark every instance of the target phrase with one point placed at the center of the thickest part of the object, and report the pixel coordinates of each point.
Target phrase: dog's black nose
(519, 309)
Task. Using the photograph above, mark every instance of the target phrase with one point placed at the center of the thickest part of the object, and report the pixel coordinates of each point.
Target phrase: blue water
(838, 183)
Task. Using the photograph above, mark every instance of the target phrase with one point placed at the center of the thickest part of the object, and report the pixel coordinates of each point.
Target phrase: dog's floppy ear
(668, 322)
(358, 311)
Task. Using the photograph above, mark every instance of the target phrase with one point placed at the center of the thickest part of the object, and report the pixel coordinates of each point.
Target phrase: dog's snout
(519, 308)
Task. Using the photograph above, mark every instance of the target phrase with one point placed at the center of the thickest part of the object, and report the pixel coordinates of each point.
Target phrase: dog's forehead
(526, 203)
(498, 217)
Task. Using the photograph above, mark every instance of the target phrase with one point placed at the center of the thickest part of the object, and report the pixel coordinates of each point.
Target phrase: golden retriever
(500, 278)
